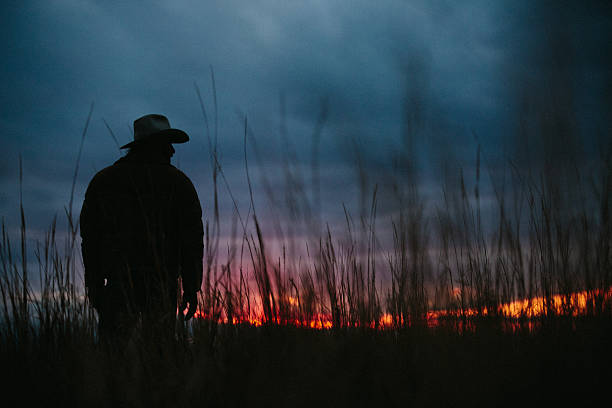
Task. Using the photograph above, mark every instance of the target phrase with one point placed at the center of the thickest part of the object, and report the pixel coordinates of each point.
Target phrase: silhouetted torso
(141, 228)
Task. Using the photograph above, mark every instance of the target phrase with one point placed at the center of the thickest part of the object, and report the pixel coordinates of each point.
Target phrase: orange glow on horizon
(575, 304)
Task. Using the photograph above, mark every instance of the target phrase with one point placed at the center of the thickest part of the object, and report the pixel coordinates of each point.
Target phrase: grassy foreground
(285, 366)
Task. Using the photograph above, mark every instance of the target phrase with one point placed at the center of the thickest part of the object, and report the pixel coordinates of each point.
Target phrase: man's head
(155, 129)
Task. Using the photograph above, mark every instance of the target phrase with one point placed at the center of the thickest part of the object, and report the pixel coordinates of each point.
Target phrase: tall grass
(542, 241)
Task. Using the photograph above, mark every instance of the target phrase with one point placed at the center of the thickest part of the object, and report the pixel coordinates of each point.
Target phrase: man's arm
(192, 247)
(90, 248)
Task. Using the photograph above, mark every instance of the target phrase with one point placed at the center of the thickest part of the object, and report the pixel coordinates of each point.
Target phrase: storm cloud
(449, 75)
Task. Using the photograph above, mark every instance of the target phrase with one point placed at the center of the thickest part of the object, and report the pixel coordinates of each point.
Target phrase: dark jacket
(141, 223)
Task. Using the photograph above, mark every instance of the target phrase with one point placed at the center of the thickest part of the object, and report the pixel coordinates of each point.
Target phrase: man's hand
(96, 295)
(190, 299)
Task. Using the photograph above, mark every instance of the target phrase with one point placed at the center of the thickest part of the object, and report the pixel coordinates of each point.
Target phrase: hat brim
(173, 136)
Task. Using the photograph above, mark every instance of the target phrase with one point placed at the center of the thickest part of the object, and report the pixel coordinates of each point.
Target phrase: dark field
(284, 366)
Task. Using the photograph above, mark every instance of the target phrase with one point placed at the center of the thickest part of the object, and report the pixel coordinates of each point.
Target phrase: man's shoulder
(179, 174)
(122, 170)
(168, 171)
(104, 174)
(122, 166)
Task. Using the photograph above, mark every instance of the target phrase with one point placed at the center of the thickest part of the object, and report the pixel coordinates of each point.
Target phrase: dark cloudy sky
(417, 82)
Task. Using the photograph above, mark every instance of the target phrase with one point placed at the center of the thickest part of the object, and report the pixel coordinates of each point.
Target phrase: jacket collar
(144, 158)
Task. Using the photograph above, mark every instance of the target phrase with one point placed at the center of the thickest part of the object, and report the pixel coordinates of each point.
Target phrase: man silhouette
(141, 229)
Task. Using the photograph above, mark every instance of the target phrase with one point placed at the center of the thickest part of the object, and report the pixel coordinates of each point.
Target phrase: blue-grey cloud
(449, 74)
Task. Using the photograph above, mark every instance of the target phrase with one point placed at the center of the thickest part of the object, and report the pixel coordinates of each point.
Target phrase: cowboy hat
(150, 128)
